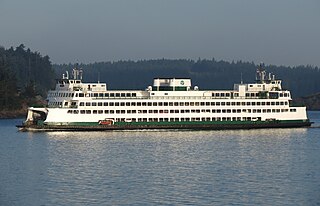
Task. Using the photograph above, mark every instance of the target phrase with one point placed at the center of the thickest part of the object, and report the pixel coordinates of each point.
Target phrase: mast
(77, 74)
(261, 74)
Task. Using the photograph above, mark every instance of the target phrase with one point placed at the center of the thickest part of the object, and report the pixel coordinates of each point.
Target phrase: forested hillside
(207, 74)
(25, 77)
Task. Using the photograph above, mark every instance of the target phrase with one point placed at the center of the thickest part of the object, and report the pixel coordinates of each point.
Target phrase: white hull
(168, 100)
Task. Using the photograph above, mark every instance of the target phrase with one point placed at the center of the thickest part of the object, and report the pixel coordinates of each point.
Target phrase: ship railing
(177, 97)
(201, 97)
(120, 97)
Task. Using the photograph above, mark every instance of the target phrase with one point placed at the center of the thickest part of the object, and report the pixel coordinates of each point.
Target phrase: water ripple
(246, 167)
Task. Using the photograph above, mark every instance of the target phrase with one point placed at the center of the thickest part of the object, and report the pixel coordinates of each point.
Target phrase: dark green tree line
(23, 75)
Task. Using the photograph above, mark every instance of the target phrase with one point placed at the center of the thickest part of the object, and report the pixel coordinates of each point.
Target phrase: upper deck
(265, 87)
(75, 84)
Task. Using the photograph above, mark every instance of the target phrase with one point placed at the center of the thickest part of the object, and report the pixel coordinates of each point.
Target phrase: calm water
(246, 167)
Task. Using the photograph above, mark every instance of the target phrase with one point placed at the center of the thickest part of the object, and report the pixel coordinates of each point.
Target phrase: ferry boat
(170, 103)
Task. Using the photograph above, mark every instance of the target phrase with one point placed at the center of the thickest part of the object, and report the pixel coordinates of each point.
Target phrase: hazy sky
(281, 32)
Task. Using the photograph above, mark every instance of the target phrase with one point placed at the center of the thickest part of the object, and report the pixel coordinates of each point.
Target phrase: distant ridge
(312, 102)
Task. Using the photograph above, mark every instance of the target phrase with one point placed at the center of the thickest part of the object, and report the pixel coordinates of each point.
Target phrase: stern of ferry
(35, 118)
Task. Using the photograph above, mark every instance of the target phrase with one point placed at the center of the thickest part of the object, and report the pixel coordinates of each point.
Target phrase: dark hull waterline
(163, 127)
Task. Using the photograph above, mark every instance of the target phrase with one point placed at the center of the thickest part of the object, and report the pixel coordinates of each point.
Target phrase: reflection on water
(255, 167)
(274, 133)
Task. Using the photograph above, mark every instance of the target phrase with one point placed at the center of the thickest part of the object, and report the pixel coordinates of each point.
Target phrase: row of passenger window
(182, 119)
(222, 95)
(97, 95)
(180, 111)
(106, 95)
(112, 95)
(248, 94)
(61, 94)
(182, 103)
